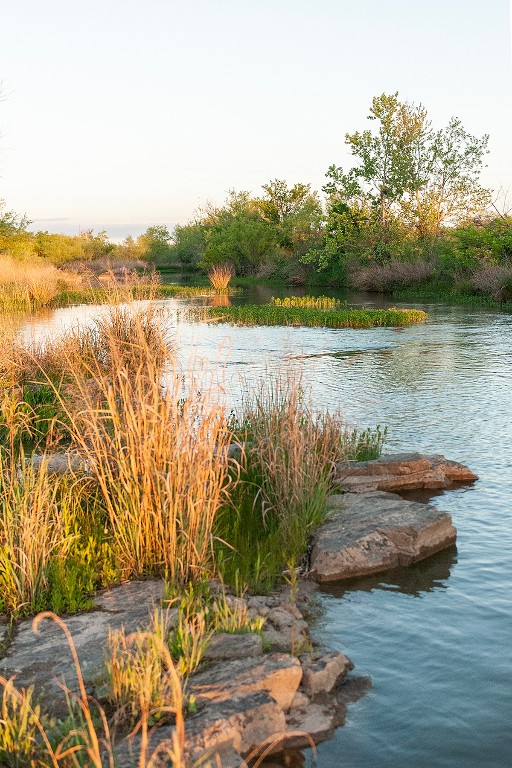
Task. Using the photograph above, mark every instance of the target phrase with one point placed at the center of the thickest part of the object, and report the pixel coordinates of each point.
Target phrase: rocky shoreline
(276, 685)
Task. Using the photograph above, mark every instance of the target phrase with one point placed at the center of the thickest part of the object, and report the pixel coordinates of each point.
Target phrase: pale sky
(122, 113)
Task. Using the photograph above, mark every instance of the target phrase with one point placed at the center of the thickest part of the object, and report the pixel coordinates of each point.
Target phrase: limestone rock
(402, 472)
(317, 720)
(325, 673)
(39, 659)
(374, 532)
(277, 674)
(227, 729)
(245, 721)
(230, 646)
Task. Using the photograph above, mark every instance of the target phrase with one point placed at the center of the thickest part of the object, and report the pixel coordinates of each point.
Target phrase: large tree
(407, 171)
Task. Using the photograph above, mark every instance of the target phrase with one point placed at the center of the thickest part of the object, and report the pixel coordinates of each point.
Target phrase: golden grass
(32, 533)
(88, 742)
(157, 449)
(292, 450)
(85, 740)
(25, 286)
(220, 276)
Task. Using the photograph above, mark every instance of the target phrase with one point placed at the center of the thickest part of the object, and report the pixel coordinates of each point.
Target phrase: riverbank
(269, 686)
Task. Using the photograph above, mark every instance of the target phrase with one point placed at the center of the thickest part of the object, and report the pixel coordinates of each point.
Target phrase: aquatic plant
(252, 314)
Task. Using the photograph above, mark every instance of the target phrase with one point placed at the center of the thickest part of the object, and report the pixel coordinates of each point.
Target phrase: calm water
(436, 638)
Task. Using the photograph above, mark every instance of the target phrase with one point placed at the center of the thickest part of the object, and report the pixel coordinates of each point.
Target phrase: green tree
(155, 244)
(406, 171)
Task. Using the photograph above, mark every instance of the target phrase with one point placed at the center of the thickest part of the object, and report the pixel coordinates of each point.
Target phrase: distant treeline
(410, 212)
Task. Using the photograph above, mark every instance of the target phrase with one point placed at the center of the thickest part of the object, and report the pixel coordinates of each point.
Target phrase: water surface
(437, 637)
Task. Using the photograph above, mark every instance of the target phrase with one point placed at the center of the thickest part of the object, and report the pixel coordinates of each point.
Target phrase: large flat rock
(374, 532)
(40, 659)
(402, 472)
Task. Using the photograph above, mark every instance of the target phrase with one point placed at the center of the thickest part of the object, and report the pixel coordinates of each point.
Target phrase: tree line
(411, 208)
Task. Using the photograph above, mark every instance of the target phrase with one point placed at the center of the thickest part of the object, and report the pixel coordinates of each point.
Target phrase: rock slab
(402, 472)
(375, 532)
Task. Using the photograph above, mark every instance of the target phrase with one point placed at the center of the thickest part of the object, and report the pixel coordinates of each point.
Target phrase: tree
(296, 212)
(155, 244)
(408, 172)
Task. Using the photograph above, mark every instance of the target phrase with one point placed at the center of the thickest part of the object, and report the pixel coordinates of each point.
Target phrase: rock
(285, 629)
(227, 729)
(299, 701)
(277, 674)
(401, 472)
(245, 721)
(58, 463)
(325, 673)
(39, 659)
(374, 532)
(286, 641)
(316, 722)
(230, 646)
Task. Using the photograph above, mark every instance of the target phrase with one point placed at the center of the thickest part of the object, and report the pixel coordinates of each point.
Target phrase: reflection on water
(436, 638)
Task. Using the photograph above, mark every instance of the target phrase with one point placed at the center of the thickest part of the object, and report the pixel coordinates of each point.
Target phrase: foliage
(406, 170)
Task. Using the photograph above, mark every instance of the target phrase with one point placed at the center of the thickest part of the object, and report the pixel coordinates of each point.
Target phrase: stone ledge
(375, 532)
(402, 472)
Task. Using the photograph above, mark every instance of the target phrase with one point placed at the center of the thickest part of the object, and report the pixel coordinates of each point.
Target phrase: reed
(28, 286)
(220, 276)
(32, 535)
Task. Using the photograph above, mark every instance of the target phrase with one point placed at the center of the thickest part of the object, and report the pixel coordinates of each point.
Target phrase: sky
(120, 114)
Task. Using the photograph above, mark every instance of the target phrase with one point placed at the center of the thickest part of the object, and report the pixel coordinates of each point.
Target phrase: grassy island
(251, 314)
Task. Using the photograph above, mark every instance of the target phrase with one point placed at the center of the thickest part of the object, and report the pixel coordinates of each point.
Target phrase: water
(437, 637)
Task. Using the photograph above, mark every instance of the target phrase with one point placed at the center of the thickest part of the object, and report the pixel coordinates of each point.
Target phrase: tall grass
(156, 447)
(84, 740)
(220, 276)
(287, 469)
(32, 535)
(25, 286)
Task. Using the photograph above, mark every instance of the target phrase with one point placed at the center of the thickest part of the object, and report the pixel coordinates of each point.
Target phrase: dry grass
(25, 286)
(385, 277)
(157, 451)
(495, 280)
(220, 276)
(28, 740)
(139, 679)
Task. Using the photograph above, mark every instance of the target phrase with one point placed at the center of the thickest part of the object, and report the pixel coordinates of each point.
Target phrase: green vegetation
(284, 476)
(150, 489)
(249, 314)
(308, 302)
(409, 213)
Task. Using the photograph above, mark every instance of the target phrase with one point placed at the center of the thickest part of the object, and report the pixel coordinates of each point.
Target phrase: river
(436, 638)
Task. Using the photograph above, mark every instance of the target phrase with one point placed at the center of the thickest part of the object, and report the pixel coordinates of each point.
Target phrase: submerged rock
(376, 531)
(402, 472)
